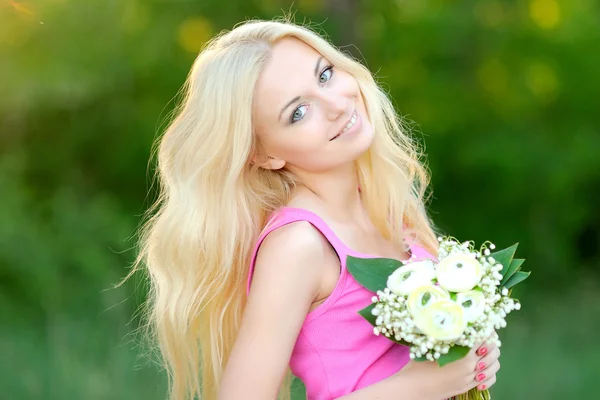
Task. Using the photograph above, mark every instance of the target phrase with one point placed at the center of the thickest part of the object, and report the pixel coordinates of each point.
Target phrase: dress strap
(288, 215)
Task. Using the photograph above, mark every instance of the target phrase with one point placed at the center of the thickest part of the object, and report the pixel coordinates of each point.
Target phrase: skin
(296, 268)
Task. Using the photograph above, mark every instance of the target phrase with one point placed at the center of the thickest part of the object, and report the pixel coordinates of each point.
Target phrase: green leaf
(455, 353)
(515, 265)
(518, 277)
(505, 257)
(368, 315)
(372, 273)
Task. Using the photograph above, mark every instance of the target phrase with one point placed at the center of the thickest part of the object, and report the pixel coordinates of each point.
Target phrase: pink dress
(336, 352)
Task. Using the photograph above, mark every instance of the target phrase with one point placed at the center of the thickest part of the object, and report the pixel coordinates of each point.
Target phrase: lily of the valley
(459, 273)
(443, 320)
(411, 276)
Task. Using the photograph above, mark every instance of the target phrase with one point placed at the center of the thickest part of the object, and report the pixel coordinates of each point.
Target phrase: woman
(284, 158)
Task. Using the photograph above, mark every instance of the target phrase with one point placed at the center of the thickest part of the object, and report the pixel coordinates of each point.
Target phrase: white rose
(473, 302)
(409, 277)
(459, 273)
(443, 320)
(423, 296)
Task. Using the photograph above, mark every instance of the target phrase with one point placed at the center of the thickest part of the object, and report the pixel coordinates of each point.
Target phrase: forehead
(290, 67)
(290, 53)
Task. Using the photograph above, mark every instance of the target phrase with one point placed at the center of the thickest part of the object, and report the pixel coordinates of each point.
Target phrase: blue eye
(326, 74)
(298, 114)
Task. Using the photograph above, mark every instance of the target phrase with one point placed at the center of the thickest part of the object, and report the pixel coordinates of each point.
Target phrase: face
(309, 115)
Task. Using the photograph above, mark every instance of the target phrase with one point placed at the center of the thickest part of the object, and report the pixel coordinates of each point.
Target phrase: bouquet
(441, 309)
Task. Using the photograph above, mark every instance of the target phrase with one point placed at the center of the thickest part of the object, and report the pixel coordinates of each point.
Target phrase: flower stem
(474, 394)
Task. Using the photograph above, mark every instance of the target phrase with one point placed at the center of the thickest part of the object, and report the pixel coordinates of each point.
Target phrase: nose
(335, 105)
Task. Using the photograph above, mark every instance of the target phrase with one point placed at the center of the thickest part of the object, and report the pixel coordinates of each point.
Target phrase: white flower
(423, 296)
(473, 302)
(459, 273)
(409, 277)
(443, 320)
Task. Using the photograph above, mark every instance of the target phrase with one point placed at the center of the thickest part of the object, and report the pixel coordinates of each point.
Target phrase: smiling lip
(351, 129)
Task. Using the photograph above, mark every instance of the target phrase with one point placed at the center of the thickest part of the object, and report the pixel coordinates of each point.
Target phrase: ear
(267, 162)
(275, 163)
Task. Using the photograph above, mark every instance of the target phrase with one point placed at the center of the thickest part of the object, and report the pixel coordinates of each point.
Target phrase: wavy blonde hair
(198, 236)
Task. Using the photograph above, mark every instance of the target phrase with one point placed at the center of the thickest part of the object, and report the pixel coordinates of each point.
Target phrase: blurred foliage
(501, 92)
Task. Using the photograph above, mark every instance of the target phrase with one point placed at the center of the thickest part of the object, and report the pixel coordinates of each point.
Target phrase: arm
(400, 386)
(286, 281)
(428, 381)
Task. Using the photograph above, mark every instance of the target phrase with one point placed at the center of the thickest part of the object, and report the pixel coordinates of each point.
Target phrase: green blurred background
(503, 94)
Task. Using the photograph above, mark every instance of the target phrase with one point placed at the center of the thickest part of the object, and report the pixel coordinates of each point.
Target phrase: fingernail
(481, 387)
(481, 366)
(482, 351)
(480, 377)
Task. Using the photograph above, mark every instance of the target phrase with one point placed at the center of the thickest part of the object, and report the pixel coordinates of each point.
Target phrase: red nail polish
(481, 387)
(480, 377)
(481, 366)
(482, 351)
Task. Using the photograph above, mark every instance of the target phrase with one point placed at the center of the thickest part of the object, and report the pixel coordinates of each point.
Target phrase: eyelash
(327, 68)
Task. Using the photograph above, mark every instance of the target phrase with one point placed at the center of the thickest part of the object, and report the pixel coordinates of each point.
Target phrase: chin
(366, 137)
(361, 144)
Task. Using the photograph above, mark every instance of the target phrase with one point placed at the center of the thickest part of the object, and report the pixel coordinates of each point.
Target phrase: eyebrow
(317, 66)
(295, 99)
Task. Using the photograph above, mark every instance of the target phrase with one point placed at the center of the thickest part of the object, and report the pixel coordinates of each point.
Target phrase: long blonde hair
(212, 205)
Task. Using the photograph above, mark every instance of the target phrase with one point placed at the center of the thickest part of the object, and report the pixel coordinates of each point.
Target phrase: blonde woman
(285, 157)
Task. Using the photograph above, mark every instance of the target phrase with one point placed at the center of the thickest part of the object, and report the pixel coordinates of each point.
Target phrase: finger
(479, 351)
(487, 373)
(485, 348)
(487, 360)
(475, 349)
(473, 357)
(486, 383)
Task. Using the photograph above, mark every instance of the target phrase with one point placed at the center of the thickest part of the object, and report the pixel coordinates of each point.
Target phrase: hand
(477, 369)
(487, 366)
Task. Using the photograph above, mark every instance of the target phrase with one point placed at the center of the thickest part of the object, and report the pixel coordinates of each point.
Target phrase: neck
(337, 191)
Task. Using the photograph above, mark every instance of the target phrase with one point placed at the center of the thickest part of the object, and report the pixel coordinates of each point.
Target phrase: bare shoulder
(295, 245)
(295, 235)
(285, 283)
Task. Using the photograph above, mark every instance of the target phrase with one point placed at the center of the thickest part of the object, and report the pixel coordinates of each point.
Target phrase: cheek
(305, 146)
(349, 83)
(309, 134)
(310, 140)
